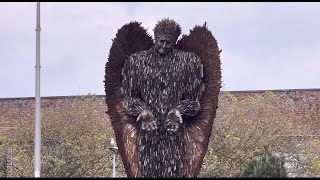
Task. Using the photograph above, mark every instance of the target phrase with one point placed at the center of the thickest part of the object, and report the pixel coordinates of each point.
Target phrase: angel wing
(198, 130)
(130, 39)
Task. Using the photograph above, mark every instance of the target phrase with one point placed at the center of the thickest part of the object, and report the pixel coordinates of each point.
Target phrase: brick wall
(11, 108)
(305, 102)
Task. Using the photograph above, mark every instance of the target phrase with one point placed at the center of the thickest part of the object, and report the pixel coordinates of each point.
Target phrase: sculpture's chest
(160, 73)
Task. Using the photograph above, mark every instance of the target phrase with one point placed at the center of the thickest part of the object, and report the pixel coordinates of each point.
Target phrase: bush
(266, 165)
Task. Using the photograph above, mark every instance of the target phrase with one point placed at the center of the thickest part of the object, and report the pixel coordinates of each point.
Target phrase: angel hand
(173, 120)
(147, 120)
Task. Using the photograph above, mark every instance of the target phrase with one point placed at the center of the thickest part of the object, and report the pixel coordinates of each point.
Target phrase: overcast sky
(264, 45)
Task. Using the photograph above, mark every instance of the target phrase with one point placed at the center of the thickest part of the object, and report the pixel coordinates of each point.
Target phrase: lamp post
(37, 133)
(114, 150)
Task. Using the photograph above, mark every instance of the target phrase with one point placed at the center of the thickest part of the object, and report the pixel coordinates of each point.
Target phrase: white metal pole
(37, 132)
(114, 165)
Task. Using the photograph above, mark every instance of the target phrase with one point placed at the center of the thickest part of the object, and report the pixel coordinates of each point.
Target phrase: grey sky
(264, 45)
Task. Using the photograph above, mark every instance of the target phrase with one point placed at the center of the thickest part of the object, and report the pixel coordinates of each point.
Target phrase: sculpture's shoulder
(138, 56)
(189, 57)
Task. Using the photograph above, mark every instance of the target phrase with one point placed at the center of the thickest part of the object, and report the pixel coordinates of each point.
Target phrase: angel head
(166, 33)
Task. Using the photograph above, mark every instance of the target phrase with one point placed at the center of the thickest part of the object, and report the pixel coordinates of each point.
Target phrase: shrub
(266, 165)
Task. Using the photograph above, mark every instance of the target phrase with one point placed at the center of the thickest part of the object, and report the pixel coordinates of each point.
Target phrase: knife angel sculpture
(162, 97)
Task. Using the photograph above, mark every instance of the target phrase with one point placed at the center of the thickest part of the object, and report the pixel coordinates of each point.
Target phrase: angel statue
(162, 97)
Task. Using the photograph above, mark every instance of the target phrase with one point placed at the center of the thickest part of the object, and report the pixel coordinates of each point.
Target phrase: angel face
(164, 42)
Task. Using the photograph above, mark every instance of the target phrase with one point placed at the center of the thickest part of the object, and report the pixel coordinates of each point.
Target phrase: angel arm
(132, 101)
(190, 104)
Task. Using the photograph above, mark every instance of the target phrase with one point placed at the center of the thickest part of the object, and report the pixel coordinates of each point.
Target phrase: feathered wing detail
(198, 130)
(130, 38)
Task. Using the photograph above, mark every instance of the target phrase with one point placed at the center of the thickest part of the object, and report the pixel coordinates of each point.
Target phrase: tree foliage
(266, 165)
(75, 140)
(244, 125)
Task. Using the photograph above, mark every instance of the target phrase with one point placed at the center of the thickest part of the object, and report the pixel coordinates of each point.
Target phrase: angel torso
(163, 82)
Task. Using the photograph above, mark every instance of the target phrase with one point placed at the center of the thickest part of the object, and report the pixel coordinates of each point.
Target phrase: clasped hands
(171, 124)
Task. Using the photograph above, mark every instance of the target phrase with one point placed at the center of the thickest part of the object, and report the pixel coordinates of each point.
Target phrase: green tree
(266, 165)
